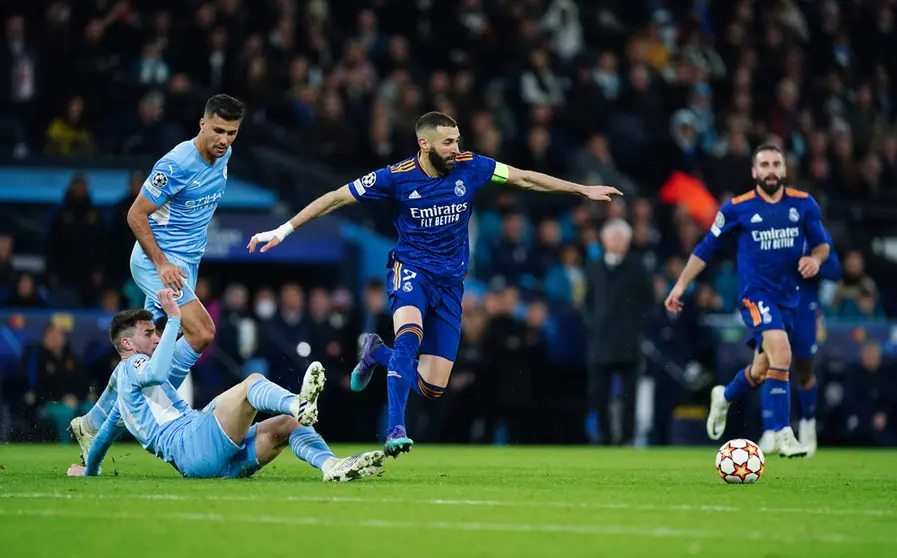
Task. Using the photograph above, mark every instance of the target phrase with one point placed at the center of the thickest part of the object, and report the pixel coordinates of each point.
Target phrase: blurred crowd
(613, 92)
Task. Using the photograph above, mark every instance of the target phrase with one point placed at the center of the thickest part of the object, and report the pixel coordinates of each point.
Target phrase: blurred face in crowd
(236, 297)
(870, 356)
(5, 247)
(615, 241)
(853, 264)
(375, 299)
(440, 145)
(536, 314)
(291, 297)
(769, 171)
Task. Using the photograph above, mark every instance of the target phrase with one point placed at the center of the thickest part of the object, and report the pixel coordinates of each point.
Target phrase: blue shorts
(761, 315)
(804, 333)
(440, 308)
(144, 273)
(204, 451)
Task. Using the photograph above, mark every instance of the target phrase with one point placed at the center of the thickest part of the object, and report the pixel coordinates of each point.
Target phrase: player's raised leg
(236, 408)
(807, 395)
(721, 397)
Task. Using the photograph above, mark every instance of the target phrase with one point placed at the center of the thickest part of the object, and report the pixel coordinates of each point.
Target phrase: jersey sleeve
(376, 185)
(813, 224)
(108, 433)
(165, 180)
(830, 268)
(155, 371)
(725, 222)
(487, 170)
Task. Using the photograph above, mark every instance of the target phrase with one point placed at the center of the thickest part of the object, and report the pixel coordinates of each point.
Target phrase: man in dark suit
(619, 300)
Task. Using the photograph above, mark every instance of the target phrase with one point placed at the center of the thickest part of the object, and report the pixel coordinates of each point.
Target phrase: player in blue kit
(772, 223)
(433, 193)
(221, 440)
(804, 339)
(170, 219)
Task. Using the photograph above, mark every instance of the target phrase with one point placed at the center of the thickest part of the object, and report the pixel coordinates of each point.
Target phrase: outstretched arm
(109, 432)
(331, 201)
(539, 182)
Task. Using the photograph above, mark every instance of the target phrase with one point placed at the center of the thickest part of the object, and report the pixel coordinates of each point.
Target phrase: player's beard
(441, 165)
(770, 188)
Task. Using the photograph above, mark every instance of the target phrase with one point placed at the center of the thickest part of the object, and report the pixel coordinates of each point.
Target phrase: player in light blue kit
(434, 193)
(221, 440)
(170, 219)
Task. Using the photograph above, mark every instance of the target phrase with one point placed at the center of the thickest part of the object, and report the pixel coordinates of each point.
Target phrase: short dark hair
(433, 120)
(227, 107)
(125, 320)
(766, 147)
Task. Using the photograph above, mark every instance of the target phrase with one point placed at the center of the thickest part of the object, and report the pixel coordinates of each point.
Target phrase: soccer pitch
(454, 501)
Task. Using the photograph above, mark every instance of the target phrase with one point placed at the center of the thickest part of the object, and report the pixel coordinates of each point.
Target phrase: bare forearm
(693, 268)
(327, 203)
(540, 182)
(821, 253)
(140, 227)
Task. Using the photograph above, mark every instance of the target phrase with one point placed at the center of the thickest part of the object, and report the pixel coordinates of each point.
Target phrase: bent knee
(205, 335)
(253, 378)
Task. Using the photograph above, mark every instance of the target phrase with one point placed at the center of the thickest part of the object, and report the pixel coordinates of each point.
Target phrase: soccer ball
(740, 461)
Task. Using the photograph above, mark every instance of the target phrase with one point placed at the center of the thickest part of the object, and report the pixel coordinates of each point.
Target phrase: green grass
(454, 501)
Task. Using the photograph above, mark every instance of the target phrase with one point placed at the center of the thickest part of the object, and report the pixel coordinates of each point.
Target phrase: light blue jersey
(148, 405)
(186, 189)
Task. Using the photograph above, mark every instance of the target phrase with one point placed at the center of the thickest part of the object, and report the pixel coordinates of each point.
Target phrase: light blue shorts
(204, 451)
(144, 273)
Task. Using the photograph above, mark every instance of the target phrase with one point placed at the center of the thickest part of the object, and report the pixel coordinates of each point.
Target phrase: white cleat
(719, 411)
(84, 439)
(788, 445)
(358, 466)
(305, 408)
(768, 442)
(807, 431)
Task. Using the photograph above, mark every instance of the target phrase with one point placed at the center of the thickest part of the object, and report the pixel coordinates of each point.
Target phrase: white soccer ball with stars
(740, 461)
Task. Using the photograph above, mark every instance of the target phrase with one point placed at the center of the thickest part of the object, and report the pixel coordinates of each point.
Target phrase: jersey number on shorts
(407, 276)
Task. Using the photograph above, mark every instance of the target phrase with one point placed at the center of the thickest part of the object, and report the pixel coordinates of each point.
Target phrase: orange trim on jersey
(796, 193)
(419, 164)
(777, 374)
(744, 197)
(402, 167)
(397, 276)
(752, 308)
(464, 156)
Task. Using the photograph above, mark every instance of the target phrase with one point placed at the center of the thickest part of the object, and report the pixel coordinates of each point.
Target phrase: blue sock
(382, 354)
(309, 446)
(807, 395)
(401, 372)
(95, 417)
(268, 397)
(184, 359)
(779, 398)
(740, 384)
(426, 389)
(766, 404)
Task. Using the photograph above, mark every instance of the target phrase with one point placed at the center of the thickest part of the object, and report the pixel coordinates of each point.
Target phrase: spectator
(855, 283)
(25, 294)
(871, 397)
(7, 273)
(68, 135)
(619, 300)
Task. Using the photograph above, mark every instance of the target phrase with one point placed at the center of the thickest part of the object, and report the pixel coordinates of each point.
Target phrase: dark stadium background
(654, 97)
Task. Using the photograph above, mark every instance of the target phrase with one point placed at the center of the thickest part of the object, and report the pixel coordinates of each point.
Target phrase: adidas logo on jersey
(414, 196)
(756, 218)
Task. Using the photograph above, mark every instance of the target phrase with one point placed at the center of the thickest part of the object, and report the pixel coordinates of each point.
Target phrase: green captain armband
(500, 174)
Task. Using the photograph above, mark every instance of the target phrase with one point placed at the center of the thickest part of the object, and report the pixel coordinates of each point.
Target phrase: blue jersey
(830, 269)
(149, 405)
(771, 238)
(186, 190)
(432, 211)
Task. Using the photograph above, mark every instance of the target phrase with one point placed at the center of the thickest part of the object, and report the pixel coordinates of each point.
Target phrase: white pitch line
(442, 502)
(618, 530)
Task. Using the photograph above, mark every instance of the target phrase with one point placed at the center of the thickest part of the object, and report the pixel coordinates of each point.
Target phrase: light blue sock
(310, 447)
(184, 359)
(95, 417)
(268, 397)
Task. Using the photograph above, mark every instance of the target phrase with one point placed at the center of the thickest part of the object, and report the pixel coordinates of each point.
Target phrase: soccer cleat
(768, 442)
(807, 431)
(719, 411)
(358, 466)
(787, 444)
(363, 371)
(305, 408)
(84, 440)
(397, 441)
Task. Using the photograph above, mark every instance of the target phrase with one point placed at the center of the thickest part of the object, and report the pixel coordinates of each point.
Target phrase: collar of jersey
(764, 200)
